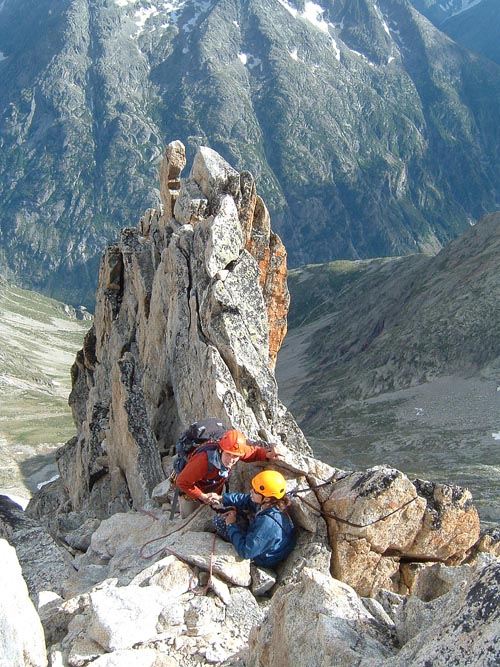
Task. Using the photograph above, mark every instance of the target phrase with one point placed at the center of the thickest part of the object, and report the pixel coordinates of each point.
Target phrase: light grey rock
(263, 580)
(202, 614)
(459, 628)
(162, 491)
(243, 613)
(80, 538)
(22, 642)
(318, 621)
(144, 657)
(196, 549)
(45, 565)
(122, 617)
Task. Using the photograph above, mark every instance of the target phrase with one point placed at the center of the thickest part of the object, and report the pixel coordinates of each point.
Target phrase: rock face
(190, 313)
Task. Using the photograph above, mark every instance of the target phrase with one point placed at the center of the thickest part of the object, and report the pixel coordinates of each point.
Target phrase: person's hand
(273, 455)
(229, 517)
(211, 498)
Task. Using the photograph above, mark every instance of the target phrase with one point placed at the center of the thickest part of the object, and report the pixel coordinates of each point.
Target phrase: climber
(209, 466)
(269, 534)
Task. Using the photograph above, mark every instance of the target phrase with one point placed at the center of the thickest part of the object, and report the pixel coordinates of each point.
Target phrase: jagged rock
(171, 575)
(316, 621)
(428, 581)
(201, 614)
(490, 542)
(378, 517)
(57, 614)
(44, 564)
(262, 580)
(179, 299)
(22, 642)
(131, 444)
(451, 523)
(459, 628)
(196, 548)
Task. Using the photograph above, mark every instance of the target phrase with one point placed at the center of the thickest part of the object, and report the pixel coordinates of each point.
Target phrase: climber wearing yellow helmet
(270, 534)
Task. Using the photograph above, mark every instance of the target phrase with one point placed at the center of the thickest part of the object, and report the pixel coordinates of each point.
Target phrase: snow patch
(200, 7)
(496, 436)
(143, 15)
(381, 17)
(249, 60)
(336, 49)
(314, 14)
(289, 8)
(294, 55)
(42, 484)
(23, 502)
(466, 4)
(2, 57)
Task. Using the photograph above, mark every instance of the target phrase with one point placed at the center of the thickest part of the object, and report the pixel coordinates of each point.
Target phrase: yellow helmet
(270, 484)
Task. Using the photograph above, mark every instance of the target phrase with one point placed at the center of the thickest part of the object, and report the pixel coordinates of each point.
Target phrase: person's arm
(257, 454)
(194, 472)
(242, 501)
(259, 538)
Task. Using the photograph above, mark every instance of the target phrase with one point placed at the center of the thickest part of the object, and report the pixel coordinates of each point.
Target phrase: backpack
(203, 431)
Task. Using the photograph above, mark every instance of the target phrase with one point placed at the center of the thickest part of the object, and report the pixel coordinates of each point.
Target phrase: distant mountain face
(398, 359)
(368, 132)
(471, 23)
(438, 11)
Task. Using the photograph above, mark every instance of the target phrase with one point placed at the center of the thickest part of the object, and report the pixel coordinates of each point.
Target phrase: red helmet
(233, 442)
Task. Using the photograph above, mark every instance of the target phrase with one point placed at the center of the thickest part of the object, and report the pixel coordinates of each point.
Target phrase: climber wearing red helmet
(208, 469)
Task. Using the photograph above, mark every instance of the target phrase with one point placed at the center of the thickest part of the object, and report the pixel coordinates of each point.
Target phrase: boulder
(22, 642)
(318, 621)
(44, 564)
(378, 517)
(122, 617)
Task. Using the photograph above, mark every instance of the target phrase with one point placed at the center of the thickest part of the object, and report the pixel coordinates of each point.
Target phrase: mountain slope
(401, 358)
(369, 132)
(38, 342)
(471, 23)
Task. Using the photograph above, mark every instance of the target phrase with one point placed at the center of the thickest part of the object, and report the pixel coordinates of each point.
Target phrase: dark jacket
(270, 537)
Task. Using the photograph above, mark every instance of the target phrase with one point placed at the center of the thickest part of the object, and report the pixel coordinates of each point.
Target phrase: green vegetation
(39, 338)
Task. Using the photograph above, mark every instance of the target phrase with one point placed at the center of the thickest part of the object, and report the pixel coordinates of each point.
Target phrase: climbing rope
(164, 548)
(331, 515)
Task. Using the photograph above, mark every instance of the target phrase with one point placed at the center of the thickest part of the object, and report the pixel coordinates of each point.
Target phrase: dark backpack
(203, 431)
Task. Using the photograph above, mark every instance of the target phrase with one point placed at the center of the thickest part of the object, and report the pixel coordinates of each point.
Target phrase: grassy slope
(39, 338)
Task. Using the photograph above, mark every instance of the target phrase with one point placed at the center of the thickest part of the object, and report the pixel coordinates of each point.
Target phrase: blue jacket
(270, 537)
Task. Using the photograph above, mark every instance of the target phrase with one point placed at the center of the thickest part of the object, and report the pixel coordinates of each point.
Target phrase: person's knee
(187, 506)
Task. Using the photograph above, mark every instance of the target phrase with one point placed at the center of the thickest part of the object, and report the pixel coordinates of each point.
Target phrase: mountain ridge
(400, 358)
(359, 116)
